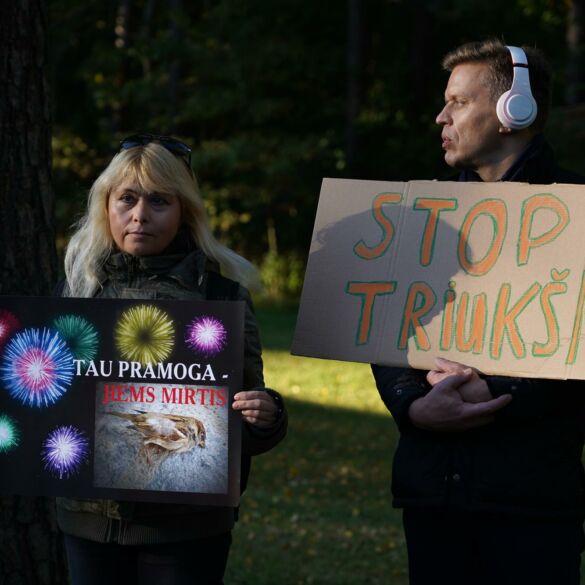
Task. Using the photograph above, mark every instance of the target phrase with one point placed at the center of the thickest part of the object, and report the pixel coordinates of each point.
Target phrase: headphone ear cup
(516, 110)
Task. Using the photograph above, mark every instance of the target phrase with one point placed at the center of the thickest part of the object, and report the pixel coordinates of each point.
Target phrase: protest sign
(121, 399)
(488, 274)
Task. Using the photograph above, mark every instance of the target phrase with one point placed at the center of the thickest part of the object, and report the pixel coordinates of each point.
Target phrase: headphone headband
(517, 108)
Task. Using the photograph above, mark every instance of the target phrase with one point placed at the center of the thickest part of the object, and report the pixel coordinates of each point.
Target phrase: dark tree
(30, 549)
(575, 92)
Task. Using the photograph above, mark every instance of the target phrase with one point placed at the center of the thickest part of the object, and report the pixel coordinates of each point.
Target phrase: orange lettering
(495, 209)
(434, 208)
(368, 291)
(529, 209)
(361, 248)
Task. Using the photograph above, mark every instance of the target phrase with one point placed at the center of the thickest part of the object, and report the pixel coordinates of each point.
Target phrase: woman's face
(141, 223)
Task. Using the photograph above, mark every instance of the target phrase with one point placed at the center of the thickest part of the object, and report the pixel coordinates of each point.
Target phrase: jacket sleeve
(532, 398)
(399, 388)
(256, 440)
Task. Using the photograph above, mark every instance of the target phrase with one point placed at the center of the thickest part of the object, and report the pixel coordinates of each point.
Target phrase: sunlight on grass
(325, 382)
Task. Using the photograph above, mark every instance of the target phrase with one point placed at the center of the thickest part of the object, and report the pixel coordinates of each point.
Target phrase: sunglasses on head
(171, 144)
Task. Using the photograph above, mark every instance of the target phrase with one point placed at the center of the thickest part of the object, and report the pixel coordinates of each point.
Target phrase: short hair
(153, 168)
(498, 78)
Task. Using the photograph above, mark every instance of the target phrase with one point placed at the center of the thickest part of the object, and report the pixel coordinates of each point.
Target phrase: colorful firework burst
(145, 334)
(64, 451)
(9, 434)
(37, 367)
(79, 334)
(8, 325)
(206, 335)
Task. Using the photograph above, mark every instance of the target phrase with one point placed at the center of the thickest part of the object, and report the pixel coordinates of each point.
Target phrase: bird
(164, 434)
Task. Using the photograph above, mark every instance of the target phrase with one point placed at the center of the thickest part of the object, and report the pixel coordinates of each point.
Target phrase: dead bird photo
(160, 443)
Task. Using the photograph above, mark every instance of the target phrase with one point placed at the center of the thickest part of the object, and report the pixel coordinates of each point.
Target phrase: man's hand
(444, 409)
(475, 390)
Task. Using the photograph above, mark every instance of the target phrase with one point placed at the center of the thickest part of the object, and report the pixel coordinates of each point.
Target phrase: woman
(146, 235)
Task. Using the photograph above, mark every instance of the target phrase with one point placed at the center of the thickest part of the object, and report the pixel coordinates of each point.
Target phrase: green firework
(9, 434)
(145, 334)
(79, 334)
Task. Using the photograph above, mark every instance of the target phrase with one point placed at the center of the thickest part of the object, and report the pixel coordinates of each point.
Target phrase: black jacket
(529, 459)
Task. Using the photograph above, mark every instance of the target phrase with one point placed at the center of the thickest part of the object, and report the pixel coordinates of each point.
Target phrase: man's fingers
(448, 365)
(489, 407)
(451, 382)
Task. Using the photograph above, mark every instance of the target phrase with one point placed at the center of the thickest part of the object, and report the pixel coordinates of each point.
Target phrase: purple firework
(64, 451)
(206, 335)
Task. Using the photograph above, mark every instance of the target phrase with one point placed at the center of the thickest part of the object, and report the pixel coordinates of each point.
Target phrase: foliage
(262, 92)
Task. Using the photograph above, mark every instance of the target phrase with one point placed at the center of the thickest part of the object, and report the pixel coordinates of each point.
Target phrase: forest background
(272, 96)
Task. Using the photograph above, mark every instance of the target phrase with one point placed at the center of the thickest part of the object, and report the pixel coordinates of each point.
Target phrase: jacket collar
(186, 267)
(536, 164)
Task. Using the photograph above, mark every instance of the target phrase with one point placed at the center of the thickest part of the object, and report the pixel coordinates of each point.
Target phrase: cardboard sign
(491, 275)
(120, 399)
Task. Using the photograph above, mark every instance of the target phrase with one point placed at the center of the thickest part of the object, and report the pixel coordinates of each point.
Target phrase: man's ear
(504, 130)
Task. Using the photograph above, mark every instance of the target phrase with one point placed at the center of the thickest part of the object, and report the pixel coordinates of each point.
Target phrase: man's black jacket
(529, 459)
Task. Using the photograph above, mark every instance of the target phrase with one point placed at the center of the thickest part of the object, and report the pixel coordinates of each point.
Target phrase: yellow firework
(145, 334)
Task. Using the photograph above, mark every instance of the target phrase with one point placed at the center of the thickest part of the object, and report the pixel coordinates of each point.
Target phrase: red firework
(8, 325)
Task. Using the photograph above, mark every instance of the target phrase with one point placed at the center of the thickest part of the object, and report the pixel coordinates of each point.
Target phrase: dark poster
(121, 399)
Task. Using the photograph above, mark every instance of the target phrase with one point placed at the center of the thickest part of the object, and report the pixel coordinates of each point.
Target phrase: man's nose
(443, 117)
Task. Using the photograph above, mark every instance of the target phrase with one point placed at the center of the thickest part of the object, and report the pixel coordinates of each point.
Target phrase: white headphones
(516, 108)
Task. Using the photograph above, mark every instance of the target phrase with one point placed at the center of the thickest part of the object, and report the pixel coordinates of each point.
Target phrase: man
(488, 468)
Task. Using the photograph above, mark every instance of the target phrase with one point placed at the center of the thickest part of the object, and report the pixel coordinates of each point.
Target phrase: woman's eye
(157, 200)
(127, 198)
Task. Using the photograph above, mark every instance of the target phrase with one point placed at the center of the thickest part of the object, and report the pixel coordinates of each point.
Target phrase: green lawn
(318, 506)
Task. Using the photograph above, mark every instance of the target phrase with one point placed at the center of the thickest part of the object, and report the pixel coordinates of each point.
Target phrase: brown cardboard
(396, 269)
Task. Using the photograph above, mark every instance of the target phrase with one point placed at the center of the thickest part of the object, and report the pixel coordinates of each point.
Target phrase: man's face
(471, 129)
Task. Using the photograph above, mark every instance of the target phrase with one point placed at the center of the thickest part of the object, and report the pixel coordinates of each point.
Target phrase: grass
(318, 510)
(318, 507)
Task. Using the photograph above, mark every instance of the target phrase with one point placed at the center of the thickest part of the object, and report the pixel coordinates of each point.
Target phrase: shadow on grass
(277, 326)
(318, 509)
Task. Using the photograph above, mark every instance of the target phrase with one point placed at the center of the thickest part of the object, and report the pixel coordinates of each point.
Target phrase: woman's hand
(258, 408)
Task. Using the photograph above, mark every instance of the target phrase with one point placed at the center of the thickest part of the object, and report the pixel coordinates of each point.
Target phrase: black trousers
(196, 562)
(458, 548)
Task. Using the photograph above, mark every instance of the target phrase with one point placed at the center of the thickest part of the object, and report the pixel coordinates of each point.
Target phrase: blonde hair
(153, 168)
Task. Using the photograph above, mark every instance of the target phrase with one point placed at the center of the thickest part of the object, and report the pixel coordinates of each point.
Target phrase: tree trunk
(575, 92)
(355, 76)
(30, 548)
(27, 242)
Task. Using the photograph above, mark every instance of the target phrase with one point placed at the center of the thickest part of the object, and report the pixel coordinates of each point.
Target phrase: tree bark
(30, 548)
(27, 257)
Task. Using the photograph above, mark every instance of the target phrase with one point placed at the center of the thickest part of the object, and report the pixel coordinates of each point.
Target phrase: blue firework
(37, 367)
(64, 451)
(80, 335)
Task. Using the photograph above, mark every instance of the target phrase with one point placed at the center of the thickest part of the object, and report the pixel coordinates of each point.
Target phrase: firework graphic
(64, 451)
(79, 334)
(206, 335)
(37, 367)
(8, 325)
(9, 434)
(145, 334)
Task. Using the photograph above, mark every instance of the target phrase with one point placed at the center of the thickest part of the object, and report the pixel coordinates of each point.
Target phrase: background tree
(30, 550)
(276, 95)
